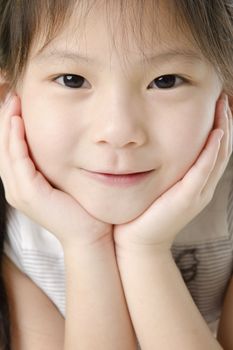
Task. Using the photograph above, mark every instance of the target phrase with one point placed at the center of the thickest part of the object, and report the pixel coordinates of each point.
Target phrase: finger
(17, 145)
(7, 110)
(26, 187)
(230, 130)
(22, 165)
(223, 154)
(197, 176)
(222, 123)
(10, 107)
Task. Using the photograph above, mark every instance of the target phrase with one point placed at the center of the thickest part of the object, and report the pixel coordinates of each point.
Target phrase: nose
(119, 123)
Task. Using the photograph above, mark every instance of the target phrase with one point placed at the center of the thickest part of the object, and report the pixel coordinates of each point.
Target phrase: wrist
(94, 251)
(82, 241)
(141, 251)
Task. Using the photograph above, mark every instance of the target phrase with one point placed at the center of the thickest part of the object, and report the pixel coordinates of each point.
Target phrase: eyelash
(159, 79)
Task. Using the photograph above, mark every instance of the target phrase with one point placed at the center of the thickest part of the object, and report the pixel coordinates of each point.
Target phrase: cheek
(186, 137)
(49, 137)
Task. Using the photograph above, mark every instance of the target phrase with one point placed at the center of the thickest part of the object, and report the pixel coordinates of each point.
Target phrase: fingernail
(220, 134)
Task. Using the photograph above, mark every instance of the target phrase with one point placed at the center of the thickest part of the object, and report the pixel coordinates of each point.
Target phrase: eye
(167, 81)
(71, 81)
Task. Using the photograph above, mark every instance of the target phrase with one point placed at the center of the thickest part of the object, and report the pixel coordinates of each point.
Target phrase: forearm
(96, 312)
(161, 308)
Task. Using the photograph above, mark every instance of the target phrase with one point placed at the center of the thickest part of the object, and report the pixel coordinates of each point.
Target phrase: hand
(27, 189)
(162, 221)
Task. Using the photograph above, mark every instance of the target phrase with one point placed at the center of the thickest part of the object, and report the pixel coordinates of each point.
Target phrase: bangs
(208, 27)
(126, 20)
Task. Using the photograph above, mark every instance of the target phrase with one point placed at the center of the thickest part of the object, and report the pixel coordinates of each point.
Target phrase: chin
(117, 217)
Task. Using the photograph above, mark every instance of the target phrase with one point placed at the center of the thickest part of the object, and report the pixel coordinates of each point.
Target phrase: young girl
(115, 160)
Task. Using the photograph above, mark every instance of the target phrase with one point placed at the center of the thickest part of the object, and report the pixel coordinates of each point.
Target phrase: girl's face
(86, 108)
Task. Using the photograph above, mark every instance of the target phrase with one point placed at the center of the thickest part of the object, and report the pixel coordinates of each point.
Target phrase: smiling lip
(118, 179)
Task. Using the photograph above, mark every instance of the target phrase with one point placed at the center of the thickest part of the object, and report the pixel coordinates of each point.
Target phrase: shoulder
(36, 323)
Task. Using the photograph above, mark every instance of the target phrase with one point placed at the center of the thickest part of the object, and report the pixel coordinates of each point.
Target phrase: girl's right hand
(27, 190)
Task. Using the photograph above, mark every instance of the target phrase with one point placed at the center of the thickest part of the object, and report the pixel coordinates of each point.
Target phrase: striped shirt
(203, 252)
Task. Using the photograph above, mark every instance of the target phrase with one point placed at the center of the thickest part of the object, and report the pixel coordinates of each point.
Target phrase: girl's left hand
(158, 226)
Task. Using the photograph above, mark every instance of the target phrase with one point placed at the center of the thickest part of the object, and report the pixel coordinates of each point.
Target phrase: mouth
(119, 179)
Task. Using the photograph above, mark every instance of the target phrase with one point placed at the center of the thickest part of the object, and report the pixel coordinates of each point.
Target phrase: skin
(104, 128)
(114, 122)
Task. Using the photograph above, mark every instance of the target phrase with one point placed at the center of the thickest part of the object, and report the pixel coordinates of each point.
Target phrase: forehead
(122, 26)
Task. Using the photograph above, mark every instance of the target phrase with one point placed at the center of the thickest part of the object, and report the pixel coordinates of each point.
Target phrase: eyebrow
(188, 55)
